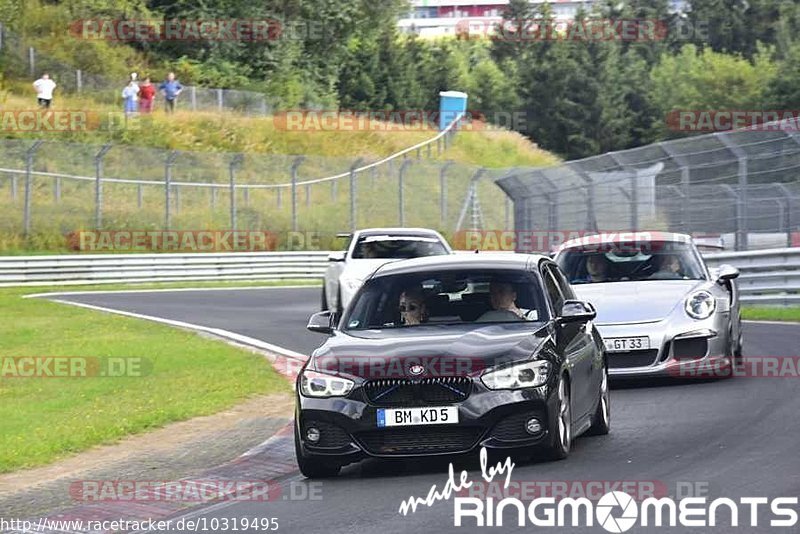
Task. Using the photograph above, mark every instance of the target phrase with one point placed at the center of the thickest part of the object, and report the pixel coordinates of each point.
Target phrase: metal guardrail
(767, 276)
(141, 268)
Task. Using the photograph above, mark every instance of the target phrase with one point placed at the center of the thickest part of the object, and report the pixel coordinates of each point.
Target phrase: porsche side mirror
(576, 311)
(727, 272)
(321, 322)
(337, 255)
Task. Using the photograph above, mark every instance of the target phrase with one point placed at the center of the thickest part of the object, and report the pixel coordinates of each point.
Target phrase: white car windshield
(395, 248)
(463, 296)
(652, 260)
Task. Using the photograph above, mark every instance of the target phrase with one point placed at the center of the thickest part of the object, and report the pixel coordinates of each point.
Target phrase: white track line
(219, 332)
(162, 290)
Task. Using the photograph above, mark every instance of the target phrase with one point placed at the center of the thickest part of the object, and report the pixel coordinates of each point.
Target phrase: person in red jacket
(147, 92)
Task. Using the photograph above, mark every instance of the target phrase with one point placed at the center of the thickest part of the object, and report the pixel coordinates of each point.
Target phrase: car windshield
(400, 247)
(450, 297)
(652, 260)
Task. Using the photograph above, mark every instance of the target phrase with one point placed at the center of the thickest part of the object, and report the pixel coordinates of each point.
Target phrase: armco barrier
(140, 268)
(767, 276)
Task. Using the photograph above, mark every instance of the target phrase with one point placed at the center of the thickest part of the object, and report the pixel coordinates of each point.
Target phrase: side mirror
(727, 272)
(321, 322)
(576, 311)
(336, 255)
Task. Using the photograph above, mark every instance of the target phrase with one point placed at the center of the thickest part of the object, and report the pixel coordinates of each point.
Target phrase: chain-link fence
(52, 190)
(21, 60)
(741, 186)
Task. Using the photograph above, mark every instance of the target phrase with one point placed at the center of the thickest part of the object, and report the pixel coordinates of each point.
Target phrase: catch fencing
(741, 186)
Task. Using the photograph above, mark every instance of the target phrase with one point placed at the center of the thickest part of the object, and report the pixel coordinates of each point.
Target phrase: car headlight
(525, 375)
(315, 384)
(700, 305)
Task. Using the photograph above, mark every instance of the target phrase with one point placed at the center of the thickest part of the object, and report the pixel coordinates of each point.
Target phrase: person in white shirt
(44, 87)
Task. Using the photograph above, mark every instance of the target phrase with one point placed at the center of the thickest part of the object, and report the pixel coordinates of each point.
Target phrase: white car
(369, 249)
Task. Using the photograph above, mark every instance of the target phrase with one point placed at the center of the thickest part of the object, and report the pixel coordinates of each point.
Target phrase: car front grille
(417, 392)
(632, 358)
(419, 440)
(690, 349)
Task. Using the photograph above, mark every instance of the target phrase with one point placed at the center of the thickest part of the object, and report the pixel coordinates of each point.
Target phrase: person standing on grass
(147, 92)
(44, 87)
(171, 88)
(131, 95)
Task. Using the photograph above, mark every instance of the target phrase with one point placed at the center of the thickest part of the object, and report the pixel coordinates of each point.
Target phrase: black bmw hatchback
(447, 354)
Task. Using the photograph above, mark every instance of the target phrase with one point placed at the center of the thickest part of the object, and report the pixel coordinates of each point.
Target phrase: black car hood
(428, 351)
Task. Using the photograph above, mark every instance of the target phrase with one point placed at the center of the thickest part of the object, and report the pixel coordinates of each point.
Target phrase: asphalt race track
(737, 438)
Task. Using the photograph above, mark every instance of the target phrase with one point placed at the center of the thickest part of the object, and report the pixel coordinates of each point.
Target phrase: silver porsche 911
(660, 310)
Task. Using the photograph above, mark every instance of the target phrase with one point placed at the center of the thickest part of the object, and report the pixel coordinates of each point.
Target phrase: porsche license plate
(624, 344)
(417, 416)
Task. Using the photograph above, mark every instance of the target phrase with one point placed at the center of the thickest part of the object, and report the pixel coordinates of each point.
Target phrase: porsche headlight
(700, 305)
(316, 384)
(525, 375)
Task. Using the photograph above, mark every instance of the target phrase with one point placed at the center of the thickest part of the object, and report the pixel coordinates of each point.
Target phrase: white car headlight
(525, 375)
(700, 305)
(316, 384)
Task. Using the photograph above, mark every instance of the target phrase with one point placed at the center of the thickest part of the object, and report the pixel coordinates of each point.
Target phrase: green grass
(44, 419)
(771, 313)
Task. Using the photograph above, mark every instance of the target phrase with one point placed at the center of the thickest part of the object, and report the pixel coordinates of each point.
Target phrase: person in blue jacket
(170, 88)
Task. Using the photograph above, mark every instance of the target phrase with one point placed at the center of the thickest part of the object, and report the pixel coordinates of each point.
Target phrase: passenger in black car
(412, 307)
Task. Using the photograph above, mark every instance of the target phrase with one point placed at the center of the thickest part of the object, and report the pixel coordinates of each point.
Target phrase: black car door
(576, 342)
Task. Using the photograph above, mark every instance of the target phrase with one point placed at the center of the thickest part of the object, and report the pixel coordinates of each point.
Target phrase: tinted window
(553, 292)
(650, 260)
(561, 280)
(451, 297)
(387, 247)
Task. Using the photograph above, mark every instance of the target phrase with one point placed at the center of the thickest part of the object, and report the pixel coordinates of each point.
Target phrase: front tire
(601, 421)
(561, 428)
(312, 467)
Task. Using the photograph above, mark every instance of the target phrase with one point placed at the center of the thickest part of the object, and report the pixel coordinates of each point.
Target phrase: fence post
(353, 168)
(278, 197)
(13, 188)
(57, 190)
(443, 191)
(235, 162)
(177, 199)
(168, 163)
(296, 165)
(98, 186)
(26, 214)
(401, 193)
(308, 195)
(591, 217)
(32, 61)
(193, 97)
(213, 198)
(741, 197)
(787, 222)
(139, 196)
(78, 80)
(219, 99)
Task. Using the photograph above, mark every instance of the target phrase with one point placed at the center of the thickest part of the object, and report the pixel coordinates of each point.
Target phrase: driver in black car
(504, 306)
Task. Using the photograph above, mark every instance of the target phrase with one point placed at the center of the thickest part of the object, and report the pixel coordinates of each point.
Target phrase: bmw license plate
(417, 416)
(623, 344)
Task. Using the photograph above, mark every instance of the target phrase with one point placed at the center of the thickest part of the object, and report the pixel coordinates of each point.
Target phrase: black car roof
(459, 261)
